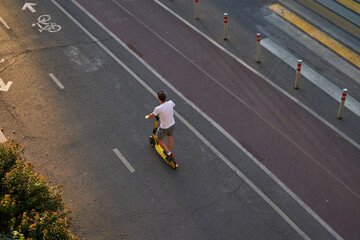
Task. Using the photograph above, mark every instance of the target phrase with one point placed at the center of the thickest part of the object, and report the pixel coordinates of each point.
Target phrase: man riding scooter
(167, 123)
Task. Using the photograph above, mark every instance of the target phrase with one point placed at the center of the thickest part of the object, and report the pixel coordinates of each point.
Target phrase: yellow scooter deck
(159, 149)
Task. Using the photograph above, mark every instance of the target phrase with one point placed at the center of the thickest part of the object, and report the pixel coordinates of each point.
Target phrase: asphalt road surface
(257, 159)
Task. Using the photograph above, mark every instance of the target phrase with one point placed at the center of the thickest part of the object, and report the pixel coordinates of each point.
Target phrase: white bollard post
(298, 74)
(258, 39)
(342, 104)
(196, 9)
(225, 25)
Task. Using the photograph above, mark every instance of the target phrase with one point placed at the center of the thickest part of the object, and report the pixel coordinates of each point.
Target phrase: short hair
(161, 96)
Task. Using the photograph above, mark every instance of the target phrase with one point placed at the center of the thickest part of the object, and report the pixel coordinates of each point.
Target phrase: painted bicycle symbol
(44, 24)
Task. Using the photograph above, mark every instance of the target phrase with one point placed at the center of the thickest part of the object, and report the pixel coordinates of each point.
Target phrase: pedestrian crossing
(292, 11)
(317, 34)
(353, 5)
(327, 29)
(323, 23)
(347, 9)
(334, 15)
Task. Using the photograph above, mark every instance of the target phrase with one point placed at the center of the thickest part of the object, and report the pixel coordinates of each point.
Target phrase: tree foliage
(30, 208)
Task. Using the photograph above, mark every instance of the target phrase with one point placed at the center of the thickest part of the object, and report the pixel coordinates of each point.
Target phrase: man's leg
(160, 134)
(163, 145)
(170, 142)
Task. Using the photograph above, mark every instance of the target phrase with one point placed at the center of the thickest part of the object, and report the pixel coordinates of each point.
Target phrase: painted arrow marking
(29, 6)
(2, 137)
(4, 87)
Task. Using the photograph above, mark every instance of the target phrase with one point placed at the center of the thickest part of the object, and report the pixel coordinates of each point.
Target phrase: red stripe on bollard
(258, 39)
(298, 74)
(342, 104)
(299, 66)
(225, 23)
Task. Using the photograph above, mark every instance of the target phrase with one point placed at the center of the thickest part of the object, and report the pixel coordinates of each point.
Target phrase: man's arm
(151, 115)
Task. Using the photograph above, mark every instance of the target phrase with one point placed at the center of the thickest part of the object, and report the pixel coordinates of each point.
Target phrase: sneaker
(170, 157)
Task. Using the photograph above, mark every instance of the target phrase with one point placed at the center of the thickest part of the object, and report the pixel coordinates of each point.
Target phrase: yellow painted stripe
(317, 34)
(332, 17)
(350, 4)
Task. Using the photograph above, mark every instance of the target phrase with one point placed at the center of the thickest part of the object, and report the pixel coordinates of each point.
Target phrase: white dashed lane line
(56, 81)
(3, 22)
(123, 159)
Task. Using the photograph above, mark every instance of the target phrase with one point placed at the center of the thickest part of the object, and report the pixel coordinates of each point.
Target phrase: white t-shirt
(166, 114)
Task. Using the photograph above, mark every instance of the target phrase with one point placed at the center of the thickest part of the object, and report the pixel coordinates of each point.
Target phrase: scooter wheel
(173, 164)
(152, 141)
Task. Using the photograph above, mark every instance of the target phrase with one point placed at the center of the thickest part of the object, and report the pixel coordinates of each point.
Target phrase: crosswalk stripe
(317, 34)
(321, 23)
(332, 17)
(341, 10)
(351, 5)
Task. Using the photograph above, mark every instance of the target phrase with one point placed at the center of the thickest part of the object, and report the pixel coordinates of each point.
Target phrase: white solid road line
(244, 178)
(293, 195)
(123, 159)
(56, 81)
(202, 138)
(3, 22)
(323, 83)
(2, 137)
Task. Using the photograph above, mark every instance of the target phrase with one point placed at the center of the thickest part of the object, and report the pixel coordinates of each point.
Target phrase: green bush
(30, 208)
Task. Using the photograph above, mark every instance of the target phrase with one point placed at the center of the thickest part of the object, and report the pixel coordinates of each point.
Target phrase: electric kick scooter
(154, 142)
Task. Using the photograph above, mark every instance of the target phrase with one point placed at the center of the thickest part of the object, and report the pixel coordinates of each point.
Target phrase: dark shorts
(161, 132)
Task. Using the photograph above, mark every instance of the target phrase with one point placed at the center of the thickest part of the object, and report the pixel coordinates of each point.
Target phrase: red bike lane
(319, 166)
